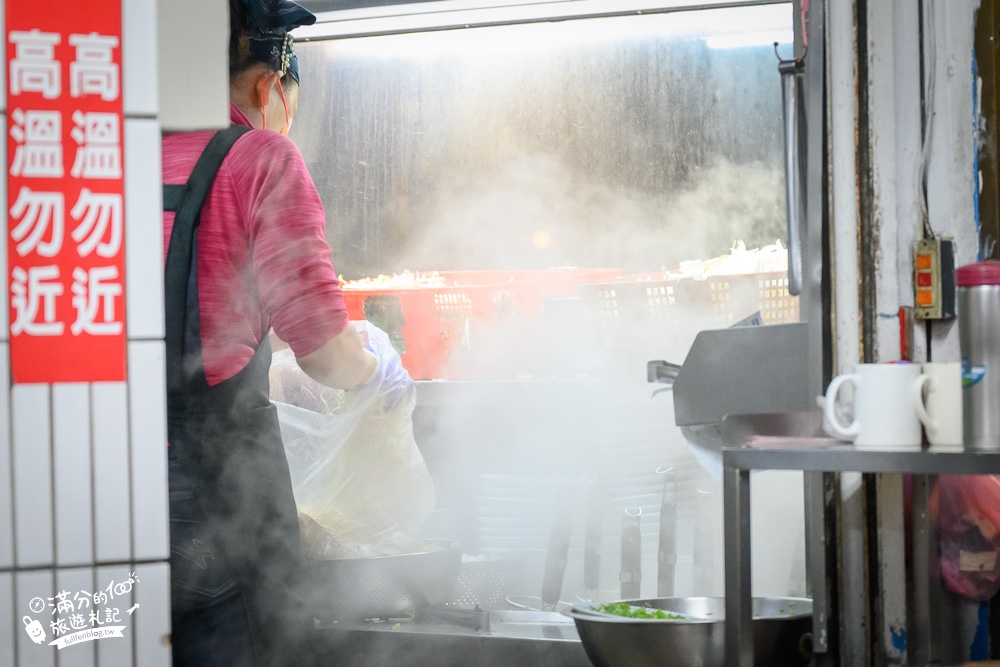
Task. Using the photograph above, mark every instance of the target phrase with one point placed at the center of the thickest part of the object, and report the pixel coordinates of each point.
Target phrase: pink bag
(968, 511)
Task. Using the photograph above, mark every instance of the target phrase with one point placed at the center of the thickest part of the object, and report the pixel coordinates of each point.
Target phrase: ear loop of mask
(288, 121)
(263, 112)
(284, 103)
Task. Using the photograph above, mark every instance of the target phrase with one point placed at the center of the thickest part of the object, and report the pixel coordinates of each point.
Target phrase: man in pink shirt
(243, 229)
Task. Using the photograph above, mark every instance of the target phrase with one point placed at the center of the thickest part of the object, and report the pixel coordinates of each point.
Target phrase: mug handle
(918, 400)
(830, 412)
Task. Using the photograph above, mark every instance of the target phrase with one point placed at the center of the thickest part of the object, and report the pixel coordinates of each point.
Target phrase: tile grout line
(13, 508)
(93, 479)
(52, 476)
(110, 563)
(51, 396)
(13, 612)
(131, 482)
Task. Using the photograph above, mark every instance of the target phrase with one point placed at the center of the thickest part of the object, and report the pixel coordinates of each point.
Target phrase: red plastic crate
(426, 323)
(429, 324)
(655, 315)
(530, 287)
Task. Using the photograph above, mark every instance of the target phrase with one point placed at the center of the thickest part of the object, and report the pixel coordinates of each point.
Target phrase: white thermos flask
(979, 337)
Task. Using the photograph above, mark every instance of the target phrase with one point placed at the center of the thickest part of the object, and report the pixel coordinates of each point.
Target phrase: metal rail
(426, 17)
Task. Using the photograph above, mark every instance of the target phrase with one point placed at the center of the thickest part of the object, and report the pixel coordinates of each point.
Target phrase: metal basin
(383, 587)
(781, 627)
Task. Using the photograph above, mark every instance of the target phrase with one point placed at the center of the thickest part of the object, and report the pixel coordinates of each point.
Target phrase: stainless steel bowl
(781, 627)
(383, 587)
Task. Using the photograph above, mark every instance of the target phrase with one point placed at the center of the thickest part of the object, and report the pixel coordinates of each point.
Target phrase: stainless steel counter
(791, 455)
(430, 644)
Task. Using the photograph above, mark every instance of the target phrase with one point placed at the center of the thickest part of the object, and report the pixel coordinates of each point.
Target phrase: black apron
(226, 441)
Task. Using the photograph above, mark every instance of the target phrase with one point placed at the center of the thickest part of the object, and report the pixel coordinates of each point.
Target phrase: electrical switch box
(934, 279)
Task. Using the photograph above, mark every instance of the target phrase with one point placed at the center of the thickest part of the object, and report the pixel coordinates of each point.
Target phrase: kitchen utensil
(630, 574)
(667, 552)
(781, 628)
(474, 618)
(885, 407)
(384, 586)
(557, 555)
(795, 201)
(663, 372)
(592, 541)
(530, 603)
(978, 321)
(484, 583)
(939, 405)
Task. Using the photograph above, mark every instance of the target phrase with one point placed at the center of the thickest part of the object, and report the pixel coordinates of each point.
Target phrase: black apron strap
(188, 203)
(227, 441)
(173, 195)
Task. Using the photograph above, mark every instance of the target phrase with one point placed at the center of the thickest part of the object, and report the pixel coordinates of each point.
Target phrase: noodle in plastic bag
(355, 466)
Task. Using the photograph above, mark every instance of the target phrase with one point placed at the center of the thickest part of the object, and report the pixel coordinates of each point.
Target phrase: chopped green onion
(629, 611)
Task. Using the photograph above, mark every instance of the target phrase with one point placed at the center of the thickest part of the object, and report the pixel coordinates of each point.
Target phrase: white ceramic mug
(885, 406)
(939, 405)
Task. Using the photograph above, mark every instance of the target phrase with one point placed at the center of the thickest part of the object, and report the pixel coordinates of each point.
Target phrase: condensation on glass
(632, 142)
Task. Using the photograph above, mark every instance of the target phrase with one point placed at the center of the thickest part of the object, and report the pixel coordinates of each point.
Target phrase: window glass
(633, 142)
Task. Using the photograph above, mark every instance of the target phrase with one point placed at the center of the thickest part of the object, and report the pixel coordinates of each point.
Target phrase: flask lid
(986, 272)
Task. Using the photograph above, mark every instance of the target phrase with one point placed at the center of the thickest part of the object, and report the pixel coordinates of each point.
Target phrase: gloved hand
(390, 385)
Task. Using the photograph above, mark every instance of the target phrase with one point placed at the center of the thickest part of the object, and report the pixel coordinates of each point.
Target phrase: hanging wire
(927, 15)
(804, 19)
(799, 61)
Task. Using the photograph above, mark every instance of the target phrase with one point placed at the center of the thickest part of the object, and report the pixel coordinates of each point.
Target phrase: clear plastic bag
(968, 512)
(355, 467)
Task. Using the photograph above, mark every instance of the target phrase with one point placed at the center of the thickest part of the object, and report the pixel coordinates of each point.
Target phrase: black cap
(268, 23)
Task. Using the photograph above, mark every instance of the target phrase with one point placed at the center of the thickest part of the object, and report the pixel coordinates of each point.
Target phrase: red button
(924, 279)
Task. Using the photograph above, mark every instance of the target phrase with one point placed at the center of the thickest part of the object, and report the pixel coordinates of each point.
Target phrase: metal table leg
(815, 529)
(739, 602)
(927, 598)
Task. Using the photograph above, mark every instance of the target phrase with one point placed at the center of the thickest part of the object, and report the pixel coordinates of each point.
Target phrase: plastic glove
(391, 384)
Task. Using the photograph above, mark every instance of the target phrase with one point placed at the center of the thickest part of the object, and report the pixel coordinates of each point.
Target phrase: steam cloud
(477, 221)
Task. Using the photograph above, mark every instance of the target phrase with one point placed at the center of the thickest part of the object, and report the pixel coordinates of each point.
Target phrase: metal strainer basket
(484, 583)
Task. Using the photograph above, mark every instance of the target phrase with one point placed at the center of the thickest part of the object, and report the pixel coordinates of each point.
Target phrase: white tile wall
(9, 621)
(139, 57)
(71, 462)
(151, 624)
(32, 475)
(6, 491)
(83, 467)
(29, 585)
(117, 652)
(148, 408)
(143, 230)
(78, 583)
(112, 504)
(193, 64)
